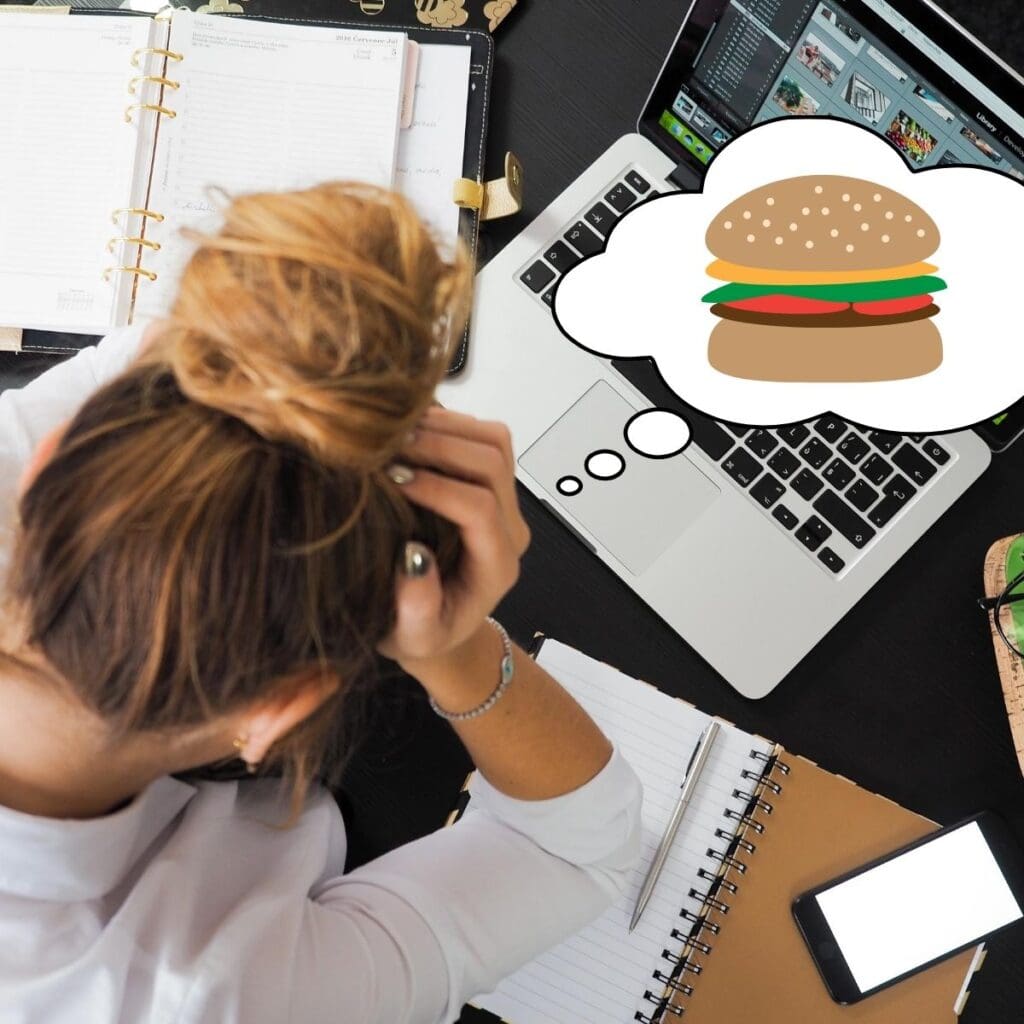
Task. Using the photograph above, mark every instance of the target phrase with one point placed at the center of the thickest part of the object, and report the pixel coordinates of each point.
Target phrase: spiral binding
(697, 936)
(136, 211)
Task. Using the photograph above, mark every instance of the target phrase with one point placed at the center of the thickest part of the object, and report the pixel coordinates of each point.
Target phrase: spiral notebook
(717, 941)
(117, 124)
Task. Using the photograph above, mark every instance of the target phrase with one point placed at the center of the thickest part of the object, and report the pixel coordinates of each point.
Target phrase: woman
(203, 566)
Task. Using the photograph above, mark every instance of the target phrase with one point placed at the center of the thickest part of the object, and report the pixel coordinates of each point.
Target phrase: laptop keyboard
(833, 486)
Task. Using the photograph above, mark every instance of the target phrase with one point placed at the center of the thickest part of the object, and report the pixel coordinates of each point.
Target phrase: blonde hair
(217, 522)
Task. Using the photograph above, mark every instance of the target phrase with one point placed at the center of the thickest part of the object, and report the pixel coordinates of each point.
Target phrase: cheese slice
(726, 271)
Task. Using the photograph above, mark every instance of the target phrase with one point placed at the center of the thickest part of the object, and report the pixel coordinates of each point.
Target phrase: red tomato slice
(790, 305)
(888, 307)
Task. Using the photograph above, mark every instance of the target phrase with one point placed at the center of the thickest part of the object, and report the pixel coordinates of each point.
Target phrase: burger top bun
(822, 222)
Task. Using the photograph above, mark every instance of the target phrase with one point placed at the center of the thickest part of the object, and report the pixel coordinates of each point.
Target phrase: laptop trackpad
(637, 514)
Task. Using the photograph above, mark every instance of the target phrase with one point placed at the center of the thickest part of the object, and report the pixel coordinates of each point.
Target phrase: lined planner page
(600, 975)
(265, 106)
(431, 152)
(68, 162)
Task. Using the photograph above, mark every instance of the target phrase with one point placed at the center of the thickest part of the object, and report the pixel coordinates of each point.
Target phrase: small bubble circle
(769, 201)
(750, 238)
(909, 217)
(920, 232)
(818, 189)
(806, 210)
(849, 248)
(569, 485)
(846, 197)
(888, 214)
(877, 197)
(766, 223)
(857, 207)
(809, 245)
(825, 211)
(778, 239)
(793, 226)
(834, 232)
(728, 225)
(746, 215)
(865, 226)
(885, 238)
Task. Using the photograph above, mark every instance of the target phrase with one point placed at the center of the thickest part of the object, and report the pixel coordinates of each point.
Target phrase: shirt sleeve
(434, 923)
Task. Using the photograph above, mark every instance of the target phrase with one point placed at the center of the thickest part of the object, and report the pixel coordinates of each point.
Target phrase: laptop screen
(909, 74)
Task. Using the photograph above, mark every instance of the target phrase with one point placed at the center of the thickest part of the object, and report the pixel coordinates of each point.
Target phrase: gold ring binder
(140, 271)
(159, 79)
(169, 54)
(147, 106)
(116, 215)
(133, 240)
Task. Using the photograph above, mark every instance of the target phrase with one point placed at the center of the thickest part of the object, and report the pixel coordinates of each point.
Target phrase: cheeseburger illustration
(827, 282)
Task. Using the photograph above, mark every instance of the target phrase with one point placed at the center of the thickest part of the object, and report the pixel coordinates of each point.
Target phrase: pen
(698, 759)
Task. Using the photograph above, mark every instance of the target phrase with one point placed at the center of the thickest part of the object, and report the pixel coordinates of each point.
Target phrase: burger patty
(845, 318)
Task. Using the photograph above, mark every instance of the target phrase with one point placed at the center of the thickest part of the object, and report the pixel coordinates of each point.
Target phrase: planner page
(68, 163)
(265, 106)
(432, 149)
(600, 974)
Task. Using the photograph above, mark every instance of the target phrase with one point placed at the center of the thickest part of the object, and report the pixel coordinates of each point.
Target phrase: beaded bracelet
(507, 670)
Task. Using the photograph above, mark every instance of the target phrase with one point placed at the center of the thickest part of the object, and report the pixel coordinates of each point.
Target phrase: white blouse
(187, 906)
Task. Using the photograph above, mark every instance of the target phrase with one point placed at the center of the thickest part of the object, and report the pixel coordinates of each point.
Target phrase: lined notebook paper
(600, 975)
(265, 106)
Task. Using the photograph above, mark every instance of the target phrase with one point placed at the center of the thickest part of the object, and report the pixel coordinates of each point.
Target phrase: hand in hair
(465, 472)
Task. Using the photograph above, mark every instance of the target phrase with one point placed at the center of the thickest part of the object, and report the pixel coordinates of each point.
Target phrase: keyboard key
(838, 474)
(784, 516)
(638, 183)
(883, 512)
(737, 430)
(883, 441)
(853, 448)
(742, 467)
(708, 436)
(862, 495)
(549, 297)
(831, 428)
(914, 464)
(601, 219)
(806, 484)
(537, 277)
(844, 519)
(784, 462)
(829, 558)
(900, 489)
(935, 451)
(813, 533)
(561, 257)
(581, 238)
(794, 435)
(761, 443)
(816, 453)
(876, 469)
(767, 490)
(620, 198)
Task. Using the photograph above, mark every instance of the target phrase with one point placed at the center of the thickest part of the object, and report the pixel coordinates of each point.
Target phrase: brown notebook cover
(822, 825)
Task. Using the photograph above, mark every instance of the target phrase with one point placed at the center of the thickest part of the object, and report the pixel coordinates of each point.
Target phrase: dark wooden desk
(902, 696)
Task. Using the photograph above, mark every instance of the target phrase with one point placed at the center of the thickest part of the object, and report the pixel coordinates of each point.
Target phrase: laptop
(753, 543)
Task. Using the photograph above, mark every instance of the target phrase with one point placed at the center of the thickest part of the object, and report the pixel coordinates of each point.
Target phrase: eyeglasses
(995, 605)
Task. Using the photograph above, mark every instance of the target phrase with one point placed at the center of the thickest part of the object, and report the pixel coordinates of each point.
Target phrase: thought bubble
(841, 281)
(604, 464)
(657, 433)
(569, 485)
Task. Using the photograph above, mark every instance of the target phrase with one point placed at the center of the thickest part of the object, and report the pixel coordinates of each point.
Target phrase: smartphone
(906, 911)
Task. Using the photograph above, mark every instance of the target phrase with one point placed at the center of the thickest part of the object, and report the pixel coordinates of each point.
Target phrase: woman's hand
(463, 469)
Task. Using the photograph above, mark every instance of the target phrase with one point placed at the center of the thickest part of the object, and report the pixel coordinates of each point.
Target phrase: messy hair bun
(219, 512)
(322, 318)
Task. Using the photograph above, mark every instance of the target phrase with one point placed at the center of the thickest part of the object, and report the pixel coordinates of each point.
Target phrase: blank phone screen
(918, 906)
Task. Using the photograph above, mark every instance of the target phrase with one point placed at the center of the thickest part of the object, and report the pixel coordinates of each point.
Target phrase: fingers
(483, 431)
(419, 606)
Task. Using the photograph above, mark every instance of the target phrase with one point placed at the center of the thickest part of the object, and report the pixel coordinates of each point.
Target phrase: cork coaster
(1011, 667)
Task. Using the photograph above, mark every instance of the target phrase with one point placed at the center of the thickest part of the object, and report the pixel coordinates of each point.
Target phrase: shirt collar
(67, 860)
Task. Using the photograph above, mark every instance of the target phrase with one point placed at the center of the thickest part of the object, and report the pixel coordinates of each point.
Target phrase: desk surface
(902, 696)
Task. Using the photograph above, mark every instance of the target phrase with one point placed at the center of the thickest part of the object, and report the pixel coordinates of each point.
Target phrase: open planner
(122, 129)
(717, 940)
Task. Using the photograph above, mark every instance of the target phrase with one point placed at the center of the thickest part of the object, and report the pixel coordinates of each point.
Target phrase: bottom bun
(833, 354)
